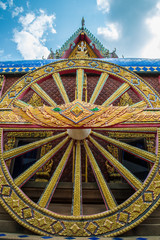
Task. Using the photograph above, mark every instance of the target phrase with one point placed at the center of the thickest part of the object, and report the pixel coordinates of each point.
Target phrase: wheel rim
(117, 218)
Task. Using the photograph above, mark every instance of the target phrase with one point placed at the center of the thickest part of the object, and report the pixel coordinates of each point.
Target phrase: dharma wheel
(98, 126)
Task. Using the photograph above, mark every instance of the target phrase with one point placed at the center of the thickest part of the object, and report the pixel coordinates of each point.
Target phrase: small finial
(83, 22)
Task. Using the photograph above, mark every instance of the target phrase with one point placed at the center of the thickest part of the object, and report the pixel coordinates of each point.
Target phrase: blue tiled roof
(22, 66)
(139, 65)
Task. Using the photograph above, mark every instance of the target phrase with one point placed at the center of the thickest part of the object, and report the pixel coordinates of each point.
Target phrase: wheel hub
(78, 134)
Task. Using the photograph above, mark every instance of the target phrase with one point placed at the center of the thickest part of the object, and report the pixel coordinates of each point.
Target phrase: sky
(29, 29)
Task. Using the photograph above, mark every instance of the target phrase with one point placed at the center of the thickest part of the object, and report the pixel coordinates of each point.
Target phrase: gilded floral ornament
(77, 114)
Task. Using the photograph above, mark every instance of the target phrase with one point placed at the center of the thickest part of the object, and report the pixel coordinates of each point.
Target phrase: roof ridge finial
(83, 23)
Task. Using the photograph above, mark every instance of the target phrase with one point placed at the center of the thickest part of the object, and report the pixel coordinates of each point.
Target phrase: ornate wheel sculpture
(84, 123)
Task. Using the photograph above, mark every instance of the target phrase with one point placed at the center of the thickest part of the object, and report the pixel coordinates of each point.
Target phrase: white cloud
(30, 40)
(3, 5)
(110, 31)
(17, 11)
(29, 46)
(7, 3)
(103, 5)
(152, 47)
(37, 25)
(27, 20)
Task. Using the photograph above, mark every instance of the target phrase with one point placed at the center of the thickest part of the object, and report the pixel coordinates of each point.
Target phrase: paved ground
(10, 236)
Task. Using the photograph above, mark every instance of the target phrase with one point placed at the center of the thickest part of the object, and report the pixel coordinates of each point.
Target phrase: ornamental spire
(83, 23)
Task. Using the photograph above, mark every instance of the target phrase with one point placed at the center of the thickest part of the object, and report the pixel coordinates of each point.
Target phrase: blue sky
(30, 28)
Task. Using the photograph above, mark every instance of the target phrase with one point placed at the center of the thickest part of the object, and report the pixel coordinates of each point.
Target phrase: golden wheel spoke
(20, 103)
(60, 86)
(77, 193)
(28, 147)
(51, 186)
(124, 146)
(122, 89)
(25, 176)
(103, 78)
(79, 83)
(130, 178)
(43, 94)
(106, 194)
(139, 104)
(73, 162)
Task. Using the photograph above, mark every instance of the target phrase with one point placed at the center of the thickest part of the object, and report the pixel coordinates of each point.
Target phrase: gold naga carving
(77, 114)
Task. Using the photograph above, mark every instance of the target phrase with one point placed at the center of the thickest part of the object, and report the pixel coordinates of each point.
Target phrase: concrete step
(144, 230)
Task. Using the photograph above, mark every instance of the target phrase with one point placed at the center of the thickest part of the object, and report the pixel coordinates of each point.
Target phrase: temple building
(82, 44)
(80, 143)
